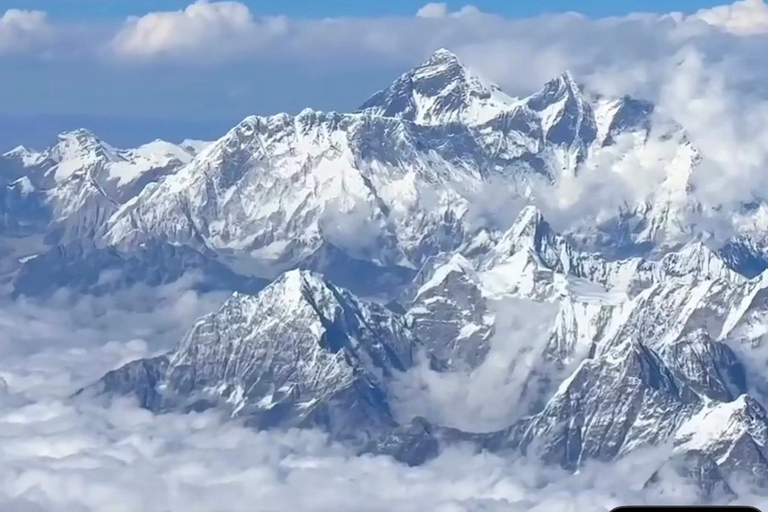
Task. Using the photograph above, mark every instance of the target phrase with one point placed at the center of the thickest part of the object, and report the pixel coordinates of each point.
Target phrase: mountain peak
(22, 156)
(567, 116)
(77, 149)
(566, 78)
(19, 151)
(299, 279)
(442, 56)
(440, 90)
(292, 355)
(561, 88)
(80, 140)
(527, 223)
(80, 135)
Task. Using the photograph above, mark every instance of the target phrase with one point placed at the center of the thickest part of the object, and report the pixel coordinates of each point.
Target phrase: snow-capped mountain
(66, 194)
(431, 197)
(409, 174)
(640, 350)
(276, 190)
(629, 363)
(300, 353)
(440, 91)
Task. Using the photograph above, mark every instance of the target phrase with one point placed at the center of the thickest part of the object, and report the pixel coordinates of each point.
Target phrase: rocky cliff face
(301, 353)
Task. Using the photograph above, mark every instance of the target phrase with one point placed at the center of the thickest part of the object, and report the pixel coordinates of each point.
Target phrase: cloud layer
(745, 17)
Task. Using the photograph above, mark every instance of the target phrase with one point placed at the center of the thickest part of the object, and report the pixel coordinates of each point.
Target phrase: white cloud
(23, 30)
(441, 10)
(492, 396)
(433, 10)
(745, 17)
(203, 29)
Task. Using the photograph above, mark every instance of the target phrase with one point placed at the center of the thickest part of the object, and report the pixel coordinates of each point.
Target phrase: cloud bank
(745, 17)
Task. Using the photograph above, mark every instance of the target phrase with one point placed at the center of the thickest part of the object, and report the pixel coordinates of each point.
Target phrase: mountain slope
(301, 353)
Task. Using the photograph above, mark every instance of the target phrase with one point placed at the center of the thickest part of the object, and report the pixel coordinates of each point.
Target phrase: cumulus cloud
(433, 10)
(441, 10)
(745, 17)
(22, 30)
(202, 29)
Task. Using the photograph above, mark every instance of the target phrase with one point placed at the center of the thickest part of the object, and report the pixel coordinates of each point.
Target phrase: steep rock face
(402, 173)
(600, 303)
(442, 90)
(650, 341)
(567, 118)
(301, 353)
(610, 406)
(710, 367)
(406, 174)
(696, 470)
(450, 315)
(732, 434)
(617, 116)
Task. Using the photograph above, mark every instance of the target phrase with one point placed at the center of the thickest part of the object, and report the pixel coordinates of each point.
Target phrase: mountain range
(362, 246)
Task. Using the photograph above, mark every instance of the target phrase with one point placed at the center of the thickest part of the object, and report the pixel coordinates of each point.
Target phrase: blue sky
(313, 8)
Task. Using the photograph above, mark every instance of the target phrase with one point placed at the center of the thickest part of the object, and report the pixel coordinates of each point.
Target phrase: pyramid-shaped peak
(564, 82)
(79, 134)
(18, 151)
(80, 140)
(567, 78)
(299, 281)
(441, 90)
(457, 265)
(22, 154)
(562, 87)
(528, 232)
(442, 56)
(302, 292)
(528, 221)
